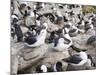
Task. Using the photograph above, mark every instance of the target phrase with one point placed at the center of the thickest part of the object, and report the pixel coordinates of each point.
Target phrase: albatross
(37, 40)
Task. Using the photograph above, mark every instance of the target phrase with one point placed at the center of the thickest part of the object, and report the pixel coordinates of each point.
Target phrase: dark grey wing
(59, 69)
(72, 30)
(91, 39)
(18, 30)
(67, 26)
(59, 31)
(30, 40)
(77, 49)
(65, 20)
(67, 41)
(75, 59)
(59, 66)
(93, 63)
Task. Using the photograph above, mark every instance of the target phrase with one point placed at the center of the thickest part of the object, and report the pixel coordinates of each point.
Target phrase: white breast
(32, 14)
(83, 23)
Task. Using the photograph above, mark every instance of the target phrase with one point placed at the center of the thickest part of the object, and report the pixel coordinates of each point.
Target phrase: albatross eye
(28, 7)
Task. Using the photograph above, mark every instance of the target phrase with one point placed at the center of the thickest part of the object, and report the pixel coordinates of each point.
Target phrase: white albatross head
(44, 68)
(83, 55)
(31, 14)
(43, 33)
(14, 16)
(61, 40)
(46, 25)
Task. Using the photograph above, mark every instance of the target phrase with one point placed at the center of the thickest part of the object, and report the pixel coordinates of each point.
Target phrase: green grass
(89, 9)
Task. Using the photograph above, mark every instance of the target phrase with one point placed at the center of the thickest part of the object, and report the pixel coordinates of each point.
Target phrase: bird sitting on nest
(63, 41)
(73, 31)
(61, 44)
(79, 59)
(37, 40)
